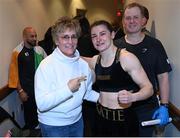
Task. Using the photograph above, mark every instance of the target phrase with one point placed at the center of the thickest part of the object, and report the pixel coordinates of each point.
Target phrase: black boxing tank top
(113, 78)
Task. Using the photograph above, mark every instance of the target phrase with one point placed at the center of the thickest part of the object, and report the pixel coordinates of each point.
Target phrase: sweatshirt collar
(65, 58)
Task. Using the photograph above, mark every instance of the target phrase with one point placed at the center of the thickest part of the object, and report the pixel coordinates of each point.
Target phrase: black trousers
(116, 122)
(30, 113)
(89, 116)
(145, 110)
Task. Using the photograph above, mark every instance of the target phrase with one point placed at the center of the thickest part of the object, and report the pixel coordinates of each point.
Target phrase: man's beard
(32, 43)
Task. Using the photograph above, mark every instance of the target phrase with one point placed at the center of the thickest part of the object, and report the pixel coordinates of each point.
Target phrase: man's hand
(23, 96)
(74, 84)
(162, 114)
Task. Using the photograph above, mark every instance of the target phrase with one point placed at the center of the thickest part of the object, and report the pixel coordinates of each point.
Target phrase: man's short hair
(146, 13)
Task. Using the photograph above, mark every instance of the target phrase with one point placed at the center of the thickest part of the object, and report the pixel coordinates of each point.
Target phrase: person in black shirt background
(47, 43)
(154, 60)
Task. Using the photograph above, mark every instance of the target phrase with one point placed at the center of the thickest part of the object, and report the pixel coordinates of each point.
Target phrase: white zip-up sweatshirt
(57, 105)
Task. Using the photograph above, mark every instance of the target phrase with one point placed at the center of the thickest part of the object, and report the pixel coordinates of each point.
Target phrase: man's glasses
(67, 38)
